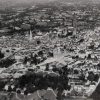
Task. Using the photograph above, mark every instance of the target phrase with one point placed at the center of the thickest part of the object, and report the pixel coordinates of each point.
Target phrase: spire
(30, 37)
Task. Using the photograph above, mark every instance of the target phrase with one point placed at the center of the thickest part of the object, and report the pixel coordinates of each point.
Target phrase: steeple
(30, 36)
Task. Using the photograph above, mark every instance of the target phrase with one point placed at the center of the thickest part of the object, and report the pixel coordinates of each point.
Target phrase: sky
(14, 2)
(5, 3)
(25, 0)
(22, 1)
(41, 0)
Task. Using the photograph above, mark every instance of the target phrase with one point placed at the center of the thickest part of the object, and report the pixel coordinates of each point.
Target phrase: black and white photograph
(49, 49)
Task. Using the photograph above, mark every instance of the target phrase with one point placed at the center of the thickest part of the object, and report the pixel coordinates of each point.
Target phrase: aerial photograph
(49, 49)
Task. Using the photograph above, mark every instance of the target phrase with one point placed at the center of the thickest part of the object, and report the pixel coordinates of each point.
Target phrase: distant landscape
(9, 3)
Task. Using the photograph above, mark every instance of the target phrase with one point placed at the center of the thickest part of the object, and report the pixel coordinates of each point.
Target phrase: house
(5, 30)
(25, 26)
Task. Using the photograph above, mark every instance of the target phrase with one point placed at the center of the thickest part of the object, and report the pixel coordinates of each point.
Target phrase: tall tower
(30, 36)
(74, 24)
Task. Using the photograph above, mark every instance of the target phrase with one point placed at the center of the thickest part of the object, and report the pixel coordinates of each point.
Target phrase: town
(50, 52)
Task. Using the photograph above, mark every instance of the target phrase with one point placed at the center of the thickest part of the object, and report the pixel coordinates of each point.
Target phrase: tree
(44, 80)
(7, 62)
(25, 60)
(1, 55)
(2, 84)
(91, 76)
